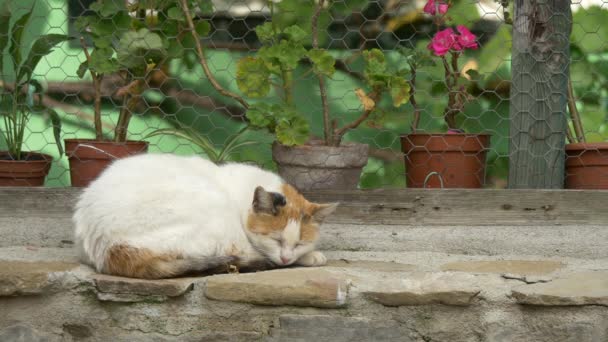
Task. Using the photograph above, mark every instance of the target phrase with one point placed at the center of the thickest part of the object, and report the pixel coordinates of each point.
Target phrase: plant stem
(327, 132)
(287, 77)
(97, 87)
(412, 82)
(339, 133)
(203, 60)
(574, 114)
(449, 115)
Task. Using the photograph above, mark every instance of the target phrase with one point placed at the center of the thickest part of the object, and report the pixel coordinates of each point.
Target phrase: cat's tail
(128, 261)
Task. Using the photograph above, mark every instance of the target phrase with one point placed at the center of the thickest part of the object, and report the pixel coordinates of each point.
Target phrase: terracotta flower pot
(315, 166)
(587, 166)
(445, 160)
(31, 171)
(88, 158)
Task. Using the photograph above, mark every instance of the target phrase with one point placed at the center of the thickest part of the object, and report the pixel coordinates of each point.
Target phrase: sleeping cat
(160, 216)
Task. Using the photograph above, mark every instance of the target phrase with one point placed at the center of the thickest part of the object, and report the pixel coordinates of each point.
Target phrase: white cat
(160, 215)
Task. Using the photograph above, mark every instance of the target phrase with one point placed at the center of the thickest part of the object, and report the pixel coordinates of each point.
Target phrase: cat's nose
(284, 260)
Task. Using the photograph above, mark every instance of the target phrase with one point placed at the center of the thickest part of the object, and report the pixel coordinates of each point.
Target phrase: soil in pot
(587, 166)
(88, 158)
(30, 171)
(445, 160)
(315, 166)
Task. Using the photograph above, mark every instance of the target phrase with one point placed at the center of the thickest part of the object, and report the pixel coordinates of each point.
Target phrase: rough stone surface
(25, 278)
(313, 287)
(519, 267)
(337, 329)
(426, 288)
(21, 333)
(584, 288)
(380, 266)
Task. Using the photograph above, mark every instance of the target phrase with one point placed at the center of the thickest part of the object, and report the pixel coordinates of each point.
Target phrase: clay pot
(445, 160)
(88, 158)
(315, 166)
(587, 166)
(31, 171)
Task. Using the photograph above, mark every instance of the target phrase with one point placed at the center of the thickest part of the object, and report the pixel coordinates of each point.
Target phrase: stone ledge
(312, 287)
(426, 288)
(513, 267)
(120, 289)
(584, 288)
(31, 277)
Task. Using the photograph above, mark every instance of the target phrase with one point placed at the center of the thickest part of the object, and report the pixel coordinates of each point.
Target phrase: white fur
(169, 203)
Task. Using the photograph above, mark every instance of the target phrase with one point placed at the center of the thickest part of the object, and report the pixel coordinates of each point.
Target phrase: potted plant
(454, 159)
(22, 98)
(137, 47)
(311, 164)
(586, 162)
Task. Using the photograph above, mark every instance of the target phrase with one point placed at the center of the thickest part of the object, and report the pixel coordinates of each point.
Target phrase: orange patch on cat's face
(297, 209)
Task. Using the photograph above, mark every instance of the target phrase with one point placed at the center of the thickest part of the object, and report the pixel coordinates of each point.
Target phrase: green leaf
(190, 135)
(265, 32)
(82, 69)
(205, 6)
(108, 8)
(202, 27)
(56, 123)
(400, 91)
(232, 144)
(293, 131)
(102, 61)
(82, 23)
(474, 74)
(295, 34)
(42, 47)
(137, 49)
(282, 57)
(175, 13)
(5, 17)
(260, 115)
(16, 34)
(252, 77)
(323, 63)
(376, 71)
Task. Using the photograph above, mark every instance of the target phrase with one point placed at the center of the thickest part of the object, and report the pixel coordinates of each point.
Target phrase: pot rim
(106, 142)
(46, 158)
(587, 146)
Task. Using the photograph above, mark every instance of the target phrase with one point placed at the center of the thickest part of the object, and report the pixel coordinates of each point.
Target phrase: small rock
(585, 288)
(26, 277)
(426, 288)
(122, 289)
(299, 287)
(519, 267)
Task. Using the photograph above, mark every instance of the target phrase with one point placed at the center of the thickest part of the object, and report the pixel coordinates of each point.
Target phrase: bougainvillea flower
(431, 7)
(442, 42)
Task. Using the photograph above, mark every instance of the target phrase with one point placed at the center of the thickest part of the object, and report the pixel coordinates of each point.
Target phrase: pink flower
(442, 42)
(431, 8)
(466, 40)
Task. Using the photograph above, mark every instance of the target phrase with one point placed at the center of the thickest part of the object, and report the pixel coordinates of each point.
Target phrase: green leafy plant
(22, 97)
(213, 153)
(134, 46)
(285, 46)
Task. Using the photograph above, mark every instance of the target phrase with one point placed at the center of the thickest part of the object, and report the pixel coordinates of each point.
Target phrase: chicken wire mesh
(153, 88)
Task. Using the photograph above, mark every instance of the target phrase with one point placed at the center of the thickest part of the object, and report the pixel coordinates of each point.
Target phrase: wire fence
(396, 92)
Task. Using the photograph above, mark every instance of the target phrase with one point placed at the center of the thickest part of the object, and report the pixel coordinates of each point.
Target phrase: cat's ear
(267, 202)
(322, 211)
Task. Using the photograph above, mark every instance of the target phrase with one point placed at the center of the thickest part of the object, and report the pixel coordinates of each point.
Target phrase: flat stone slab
(519, 267)
(111, 288)
(29, 277)
(313, 287)
(426, 288)
(380, 266)
(584, 288)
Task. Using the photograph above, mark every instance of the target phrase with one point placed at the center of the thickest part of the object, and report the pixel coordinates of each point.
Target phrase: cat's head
(284, 227)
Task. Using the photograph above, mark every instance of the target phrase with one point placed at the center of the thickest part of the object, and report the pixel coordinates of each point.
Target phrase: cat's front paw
(314, 258)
